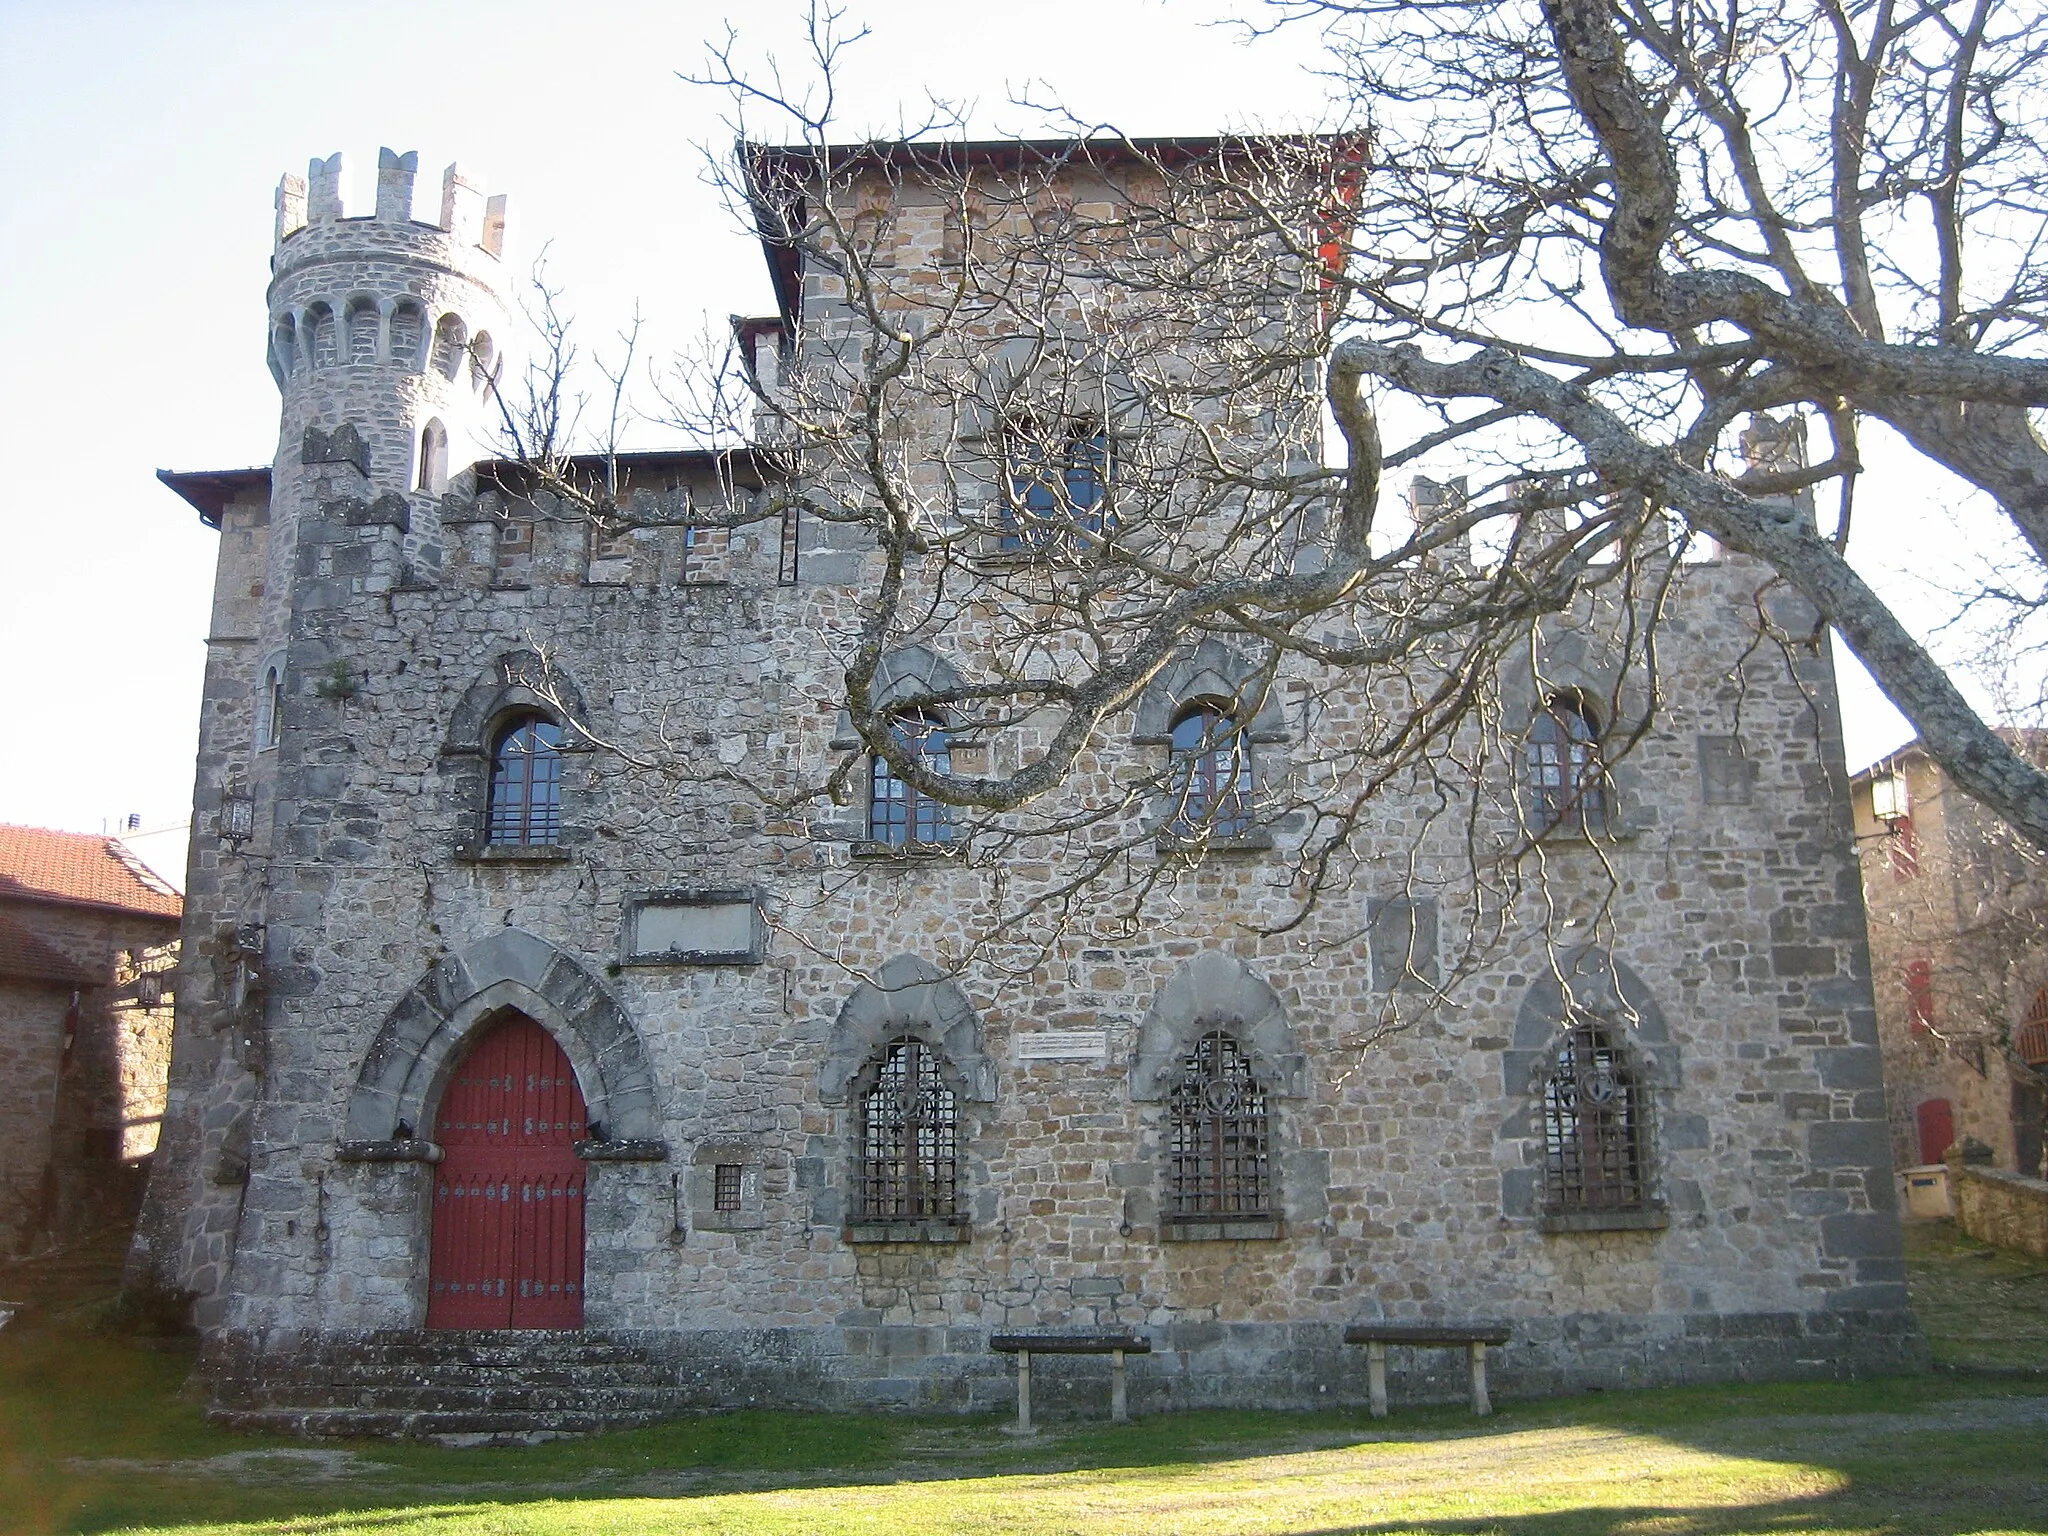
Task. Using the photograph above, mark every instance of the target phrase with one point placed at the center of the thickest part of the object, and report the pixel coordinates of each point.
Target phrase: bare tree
(1624, 228)
(1067, 400)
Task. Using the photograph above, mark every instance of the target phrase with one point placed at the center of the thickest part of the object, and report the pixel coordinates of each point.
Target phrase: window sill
(935, 1230)
(1258, 840)
(728, 1221)
(1605, 1221)
(1573, 835)
(1195, 1229)
(868, 848)
(512, 853)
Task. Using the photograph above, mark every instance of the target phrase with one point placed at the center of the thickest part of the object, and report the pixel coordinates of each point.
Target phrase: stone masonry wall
(1994, 1206)
(32, 1020)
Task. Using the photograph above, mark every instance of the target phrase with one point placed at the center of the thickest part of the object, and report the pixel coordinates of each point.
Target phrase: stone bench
(1471, 1337)
(1115, 1345)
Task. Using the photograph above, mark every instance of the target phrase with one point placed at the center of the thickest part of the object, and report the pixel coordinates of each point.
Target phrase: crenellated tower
(384, 338)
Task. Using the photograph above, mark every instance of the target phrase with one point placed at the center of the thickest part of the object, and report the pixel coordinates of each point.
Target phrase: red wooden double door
(507, 1247)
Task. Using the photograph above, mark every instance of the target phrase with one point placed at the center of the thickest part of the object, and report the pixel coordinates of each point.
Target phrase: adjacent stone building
(508, 1003)
(88, 951)
(1959, 949)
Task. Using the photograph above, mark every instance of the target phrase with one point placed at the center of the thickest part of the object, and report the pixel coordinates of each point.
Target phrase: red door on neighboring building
(1937, 1129)
(507, 1249)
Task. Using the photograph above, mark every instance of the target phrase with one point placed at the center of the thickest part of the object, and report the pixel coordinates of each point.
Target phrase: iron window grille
(1593, 1127)
(526, 785)
(909, 1139)
(1220, 1158)
(725, 1187)
(1058, 489)
(2031, 1043)
(1561, 764)
(899, 813)
(1214, 787)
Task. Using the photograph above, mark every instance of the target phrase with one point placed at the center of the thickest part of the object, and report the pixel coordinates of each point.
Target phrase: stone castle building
(1959, 949)
(493, 1018)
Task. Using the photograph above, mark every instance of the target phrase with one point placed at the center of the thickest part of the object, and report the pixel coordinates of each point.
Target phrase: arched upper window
(434, 457)
(363, 322)
(320, 335)
(1058, 487)
(408, 328)
(270, 706)
(1594, 1137)
(1219, 1148)
(451, 338)
(526, 784)
(1561, 768)
(899, 813)
(909, 1139)
(284, 348)
(483, 360)
(1214, 788)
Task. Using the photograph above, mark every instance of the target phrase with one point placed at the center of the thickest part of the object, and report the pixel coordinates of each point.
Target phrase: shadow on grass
(98, 1435)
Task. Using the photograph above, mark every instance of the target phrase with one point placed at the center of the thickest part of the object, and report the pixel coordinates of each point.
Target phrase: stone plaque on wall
(1061, 1045)
(694, 928)
(1402, 940)
(1725, 771)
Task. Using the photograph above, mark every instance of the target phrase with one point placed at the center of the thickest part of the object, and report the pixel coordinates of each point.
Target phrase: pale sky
(139, 147)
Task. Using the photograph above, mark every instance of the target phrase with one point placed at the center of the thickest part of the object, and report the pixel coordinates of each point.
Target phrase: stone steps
(419, 1384)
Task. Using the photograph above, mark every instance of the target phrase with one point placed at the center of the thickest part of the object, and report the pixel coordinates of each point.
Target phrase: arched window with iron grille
(526, 784)
(1213, 784)
(1594, 1131)
(909, 1166)
(899, 813)
(1562, 774)
(1220, 1144)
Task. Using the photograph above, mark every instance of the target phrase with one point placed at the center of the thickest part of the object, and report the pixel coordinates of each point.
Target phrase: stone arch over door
(423, 1038)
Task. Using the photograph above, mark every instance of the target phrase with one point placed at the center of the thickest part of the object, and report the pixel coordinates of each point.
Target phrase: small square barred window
(725, 1187)
(909, 1139)
(1593, 1128)
(1219, 1153)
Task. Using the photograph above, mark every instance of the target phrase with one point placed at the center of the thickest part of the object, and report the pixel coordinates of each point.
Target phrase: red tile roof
(23, 956)
(81, 868)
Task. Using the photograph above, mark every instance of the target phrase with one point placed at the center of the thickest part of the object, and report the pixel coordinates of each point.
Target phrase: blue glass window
(1056, 489)
(1561, 764)
(1215, 792)
(526, 784)
(898, 812)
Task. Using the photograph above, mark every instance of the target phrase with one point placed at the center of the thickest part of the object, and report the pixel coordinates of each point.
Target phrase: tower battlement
(468, 216)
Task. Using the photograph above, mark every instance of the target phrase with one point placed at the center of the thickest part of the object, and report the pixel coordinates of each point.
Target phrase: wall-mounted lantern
(237, 816)
(1889, 800)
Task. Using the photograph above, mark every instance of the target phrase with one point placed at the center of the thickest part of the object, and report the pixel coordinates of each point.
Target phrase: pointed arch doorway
(506, 1249)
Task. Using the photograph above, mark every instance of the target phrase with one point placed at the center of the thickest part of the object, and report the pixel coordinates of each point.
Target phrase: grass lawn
(97, 1435)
